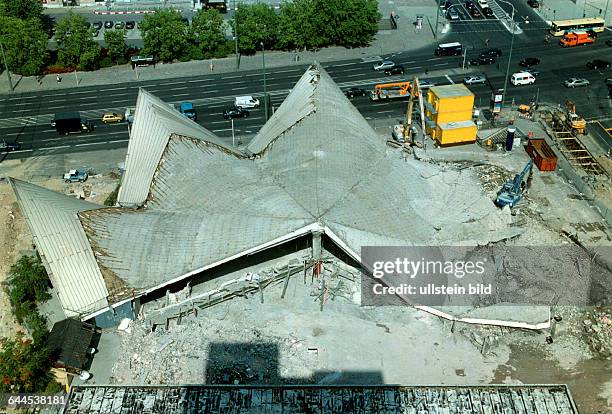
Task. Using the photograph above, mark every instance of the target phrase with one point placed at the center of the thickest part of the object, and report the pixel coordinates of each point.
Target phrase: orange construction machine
(576, 39)
(394, 90)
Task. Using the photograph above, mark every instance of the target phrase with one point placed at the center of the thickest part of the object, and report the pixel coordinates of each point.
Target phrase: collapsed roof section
(316, 165)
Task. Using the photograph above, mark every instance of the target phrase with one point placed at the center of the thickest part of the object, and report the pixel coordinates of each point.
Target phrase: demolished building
(188, 202)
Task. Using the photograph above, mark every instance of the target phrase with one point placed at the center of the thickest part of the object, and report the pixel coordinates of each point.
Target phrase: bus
(449, 49)
(560, 27)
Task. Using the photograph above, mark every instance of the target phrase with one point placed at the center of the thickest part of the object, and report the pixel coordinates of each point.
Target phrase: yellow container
(446, 117)
(451, 98)
(452, 133)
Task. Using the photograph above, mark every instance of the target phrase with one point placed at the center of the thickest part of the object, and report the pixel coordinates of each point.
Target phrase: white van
(522, 78)
(483, 3)
(246, 102)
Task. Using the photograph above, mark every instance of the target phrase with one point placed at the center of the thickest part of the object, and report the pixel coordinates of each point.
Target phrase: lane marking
(449, 79)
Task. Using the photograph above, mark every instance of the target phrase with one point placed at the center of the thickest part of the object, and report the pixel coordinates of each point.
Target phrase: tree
(164, 35)
(27, 284)
(75, 44)
(25, 44)
(208, 33)
(24, 366)
(256, 23)
(115, 42)
(21, 9)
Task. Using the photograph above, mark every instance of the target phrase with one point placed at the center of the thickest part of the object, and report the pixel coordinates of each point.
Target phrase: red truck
(576, 39)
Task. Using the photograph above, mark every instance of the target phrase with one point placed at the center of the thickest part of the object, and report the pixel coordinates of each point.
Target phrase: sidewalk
(386, 43)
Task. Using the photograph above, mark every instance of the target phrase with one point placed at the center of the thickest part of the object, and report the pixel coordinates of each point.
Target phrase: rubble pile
(598, 329)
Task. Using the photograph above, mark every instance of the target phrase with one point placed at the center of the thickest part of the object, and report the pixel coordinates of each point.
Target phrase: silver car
(452, 14)
(576, 82)
(384, 65)
(473, 80)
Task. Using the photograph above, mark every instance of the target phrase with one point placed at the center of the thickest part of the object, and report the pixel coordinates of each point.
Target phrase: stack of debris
(598, 327)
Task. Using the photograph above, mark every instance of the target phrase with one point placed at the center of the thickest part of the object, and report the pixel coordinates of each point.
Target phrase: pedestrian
(486, 42)
(212, 66)
(58, 77)
(497, 65)
(426, 71)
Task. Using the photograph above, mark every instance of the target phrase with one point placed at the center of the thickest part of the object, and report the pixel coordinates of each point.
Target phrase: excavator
(570, 119)
(511, 192)
(405, 132)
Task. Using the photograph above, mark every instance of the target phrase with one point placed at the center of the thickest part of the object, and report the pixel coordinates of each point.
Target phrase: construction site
(243, 266)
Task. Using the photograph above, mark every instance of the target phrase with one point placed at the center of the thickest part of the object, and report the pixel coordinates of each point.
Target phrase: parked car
(352, 92)
(97, 25)
(475, 79)
(487, 11)
(529, 61)
(470, 5)
(74, 176)
(452, 14)
(492, 52)
(9, 146)
(120, 25)
(96, 33)
(483, 3)
(395, 70)
(535, 4)
(129, 25)
(475, 13)
(383, 65)
(598, 64)
(112, 117)
(235, 112)
(482, 60)
(576, 82)
(108, 24)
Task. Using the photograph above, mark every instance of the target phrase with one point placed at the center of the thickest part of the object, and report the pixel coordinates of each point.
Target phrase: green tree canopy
(24, 366)
(208, 33)
(75, 44)
(21, 9)
(27, 284)
(164, 35)
(256, 23)
(25, 44)
(115, 42)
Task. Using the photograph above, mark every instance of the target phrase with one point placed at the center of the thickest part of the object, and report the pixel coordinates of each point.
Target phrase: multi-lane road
(26, 117)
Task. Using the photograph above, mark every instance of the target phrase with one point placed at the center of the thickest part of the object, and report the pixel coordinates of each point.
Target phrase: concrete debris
(598, 329)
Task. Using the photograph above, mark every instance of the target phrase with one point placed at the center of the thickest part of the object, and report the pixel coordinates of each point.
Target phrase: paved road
(26, 117)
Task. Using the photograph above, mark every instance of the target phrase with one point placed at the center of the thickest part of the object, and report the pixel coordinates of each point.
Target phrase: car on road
(529, 61)
(246, 102)
(535, 4)
(445, 5)
(475, 13)
(383, 65)
(352, 92)
(452, 14)
(9, 146)
(425, 84)
(492, 52)
(474, 79)
(487, 11)
(576, 82)
(395, 70)
(609, 42)
(482, 60)
(598, 64)
(235, 112)
(120, 25)
(534, 72)
(74, 176)
(129, 25)
(112, 117)
(108, 24)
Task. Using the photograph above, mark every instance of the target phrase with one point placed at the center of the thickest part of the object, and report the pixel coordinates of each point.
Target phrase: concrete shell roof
(188, 202)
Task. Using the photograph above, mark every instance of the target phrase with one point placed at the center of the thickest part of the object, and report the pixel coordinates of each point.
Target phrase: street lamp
(236, 35)
(510, 53)
(263, 55)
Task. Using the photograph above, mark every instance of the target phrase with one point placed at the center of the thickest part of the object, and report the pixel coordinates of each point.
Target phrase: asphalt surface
(26, 117)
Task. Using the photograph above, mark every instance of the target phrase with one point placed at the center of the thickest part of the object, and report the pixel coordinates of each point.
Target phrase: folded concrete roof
(189, 202)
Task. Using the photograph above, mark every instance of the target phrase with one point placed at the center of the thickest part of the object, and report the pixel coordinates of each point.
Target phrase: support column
(317, 252)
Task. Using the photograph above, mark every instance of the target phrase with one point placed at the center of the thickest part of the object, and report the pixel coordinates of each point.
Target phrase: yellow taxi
(112, 117)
